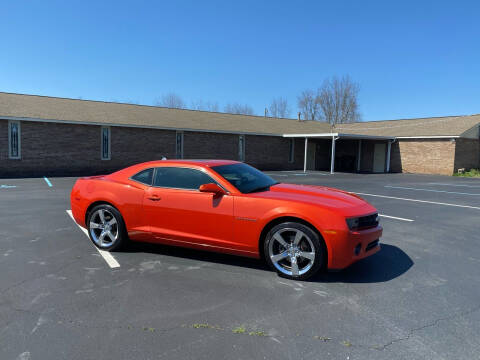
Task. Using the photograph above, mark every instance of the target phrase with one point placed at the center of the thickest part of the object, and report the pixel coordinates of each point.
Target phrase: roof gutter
(430, 137)
(339, 136)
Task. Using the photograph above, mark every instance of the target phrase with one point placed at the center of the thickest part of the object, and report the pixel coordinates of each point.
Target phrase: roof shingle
(98, 112)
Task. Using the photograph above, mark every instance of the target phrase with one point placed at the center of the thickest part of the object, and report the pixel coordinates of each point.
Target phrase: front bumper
(350, 246)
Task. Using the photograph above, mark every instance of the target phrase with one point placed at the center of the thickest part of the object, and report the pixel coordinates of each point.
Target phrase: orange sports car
(230, 207)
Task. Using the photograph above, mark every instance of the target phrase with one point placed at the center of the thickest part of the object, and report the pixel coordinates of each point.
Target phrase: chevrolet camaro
(229, 207)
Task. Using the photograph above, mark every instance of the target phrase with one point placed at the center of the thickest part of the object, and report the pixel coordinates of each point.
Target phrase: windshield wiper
(262, 188)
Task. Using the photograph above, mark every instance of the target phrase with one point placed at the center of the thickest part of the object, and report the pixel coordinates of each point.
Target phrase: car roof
(198, 162)
(129, 171)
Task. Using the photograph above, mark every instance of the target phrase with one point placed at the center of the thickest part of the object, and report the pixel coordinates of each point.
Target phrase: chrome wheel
(291, 251)
(103, 227)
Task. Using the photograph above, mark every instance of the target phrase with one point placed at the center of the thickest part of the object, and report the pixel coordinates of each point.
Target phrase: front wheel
(106, 227)
(294, 250)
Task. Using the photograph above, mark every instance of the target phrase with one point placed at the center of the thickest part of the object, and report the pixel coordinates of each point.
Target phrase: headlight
(353, 223)
(362, 222)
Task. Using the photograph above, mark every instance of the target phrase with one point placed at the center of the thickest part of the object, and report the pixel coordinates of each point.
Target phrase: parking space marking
(430, 190)
(395, 217)
(47, 181)
(458, 185)
(416, 200)
(105, 254)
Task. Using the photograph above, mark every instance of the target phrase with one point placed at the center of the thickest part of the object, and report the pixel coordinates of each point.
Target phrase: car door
(178, 212)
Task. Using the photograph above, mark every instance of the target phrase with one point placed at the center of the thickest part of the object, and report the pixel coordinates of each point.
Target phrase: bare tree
(308, 105)
(236, 108)
(338, 101)
(171, 100)
(204, 106)
(279, 108)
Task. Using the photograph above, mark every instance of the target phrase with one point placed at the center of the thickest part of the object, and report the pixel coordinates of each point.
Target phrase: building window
(241, 147)
(14, 140)
(106, 147)
(179, 145)
(291, 153)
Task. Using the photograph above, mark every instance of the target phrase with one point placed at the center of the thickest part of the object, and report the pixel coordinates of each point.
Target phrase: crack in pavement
(429, 325)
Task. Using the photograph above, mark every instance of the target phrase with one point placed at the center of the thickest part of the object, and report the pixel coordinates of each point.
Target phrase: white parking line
(416, 200)
(395, 218)
(459, 185)
(430, 190)
(105, 254)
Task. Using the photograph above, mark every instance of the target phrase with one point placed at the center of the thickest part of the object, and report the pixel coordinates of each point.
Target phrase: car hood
(350, 204)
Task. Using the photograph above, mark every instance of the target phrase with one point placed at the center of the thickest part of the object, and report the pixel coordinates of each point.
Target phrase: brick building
(42, 135)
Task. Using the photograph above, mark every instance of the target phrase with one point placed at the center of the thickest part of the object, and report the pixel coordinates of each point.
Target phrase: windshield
(245, 178)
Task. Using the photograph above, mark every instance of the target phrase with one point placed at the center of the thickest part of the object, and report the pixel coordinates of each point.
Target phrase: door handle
(154, 198)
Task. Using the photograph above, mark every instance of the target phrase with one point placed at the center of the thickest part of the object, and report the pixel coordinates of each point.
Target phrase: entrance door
(379, 158)
(311, 150)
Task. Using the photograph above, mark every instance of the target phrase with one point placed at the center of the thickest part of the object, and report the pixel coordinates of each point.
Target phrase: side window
(105, 133)
(180, 178)
(14, 140)
(241, 147)
(144, 177)
(179, 144)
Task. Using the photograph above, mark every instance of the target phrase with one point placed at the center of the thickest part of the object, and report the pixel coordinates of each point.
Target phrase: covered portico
(379, 153)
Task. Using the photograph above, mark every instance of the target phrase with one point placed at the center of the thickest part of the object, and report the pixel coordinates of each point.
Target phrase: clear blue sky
(411, 58)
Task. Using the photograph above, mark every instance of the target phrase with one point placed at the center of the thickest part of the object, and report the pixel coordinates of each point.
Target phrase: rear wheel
(106, 227)
(294, 250)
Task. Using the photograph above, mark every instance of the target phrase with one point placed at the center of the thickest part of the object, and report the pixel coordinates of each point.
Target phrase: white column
(305, 157)
(389, 145)
(359, 154)
(332, 162)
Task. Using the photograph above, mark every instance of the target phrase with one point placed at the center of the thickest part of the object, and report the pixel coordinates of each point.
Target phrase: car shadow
(389, 263)
(197, 255)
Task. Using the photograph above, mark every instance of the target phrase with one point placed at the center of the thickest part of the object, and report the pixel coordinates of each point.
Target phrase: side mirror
(211, 188)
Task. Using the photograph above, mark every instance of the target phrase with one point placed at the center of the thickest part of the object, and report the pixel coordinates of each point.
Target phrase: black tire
(299, 268)
(113, 222)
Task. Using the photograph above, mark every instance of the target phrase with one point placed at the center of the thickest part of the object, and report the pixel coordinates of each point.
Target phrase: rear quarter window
(144, 177)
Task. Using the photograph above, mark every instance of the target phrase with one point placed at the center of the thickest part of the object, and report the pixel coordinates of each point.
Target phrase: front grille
(372, 245)
(369, 221)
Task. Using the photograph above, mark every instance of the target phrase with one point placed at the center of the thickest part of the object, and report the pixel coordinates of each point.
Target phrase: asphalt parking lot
(418, 298)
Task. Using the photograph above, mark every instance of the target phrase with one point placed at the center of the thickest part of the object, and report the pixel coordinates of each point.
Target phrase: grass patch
(206, 326)
(239, 330)
(469, 173)
(257, 333)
